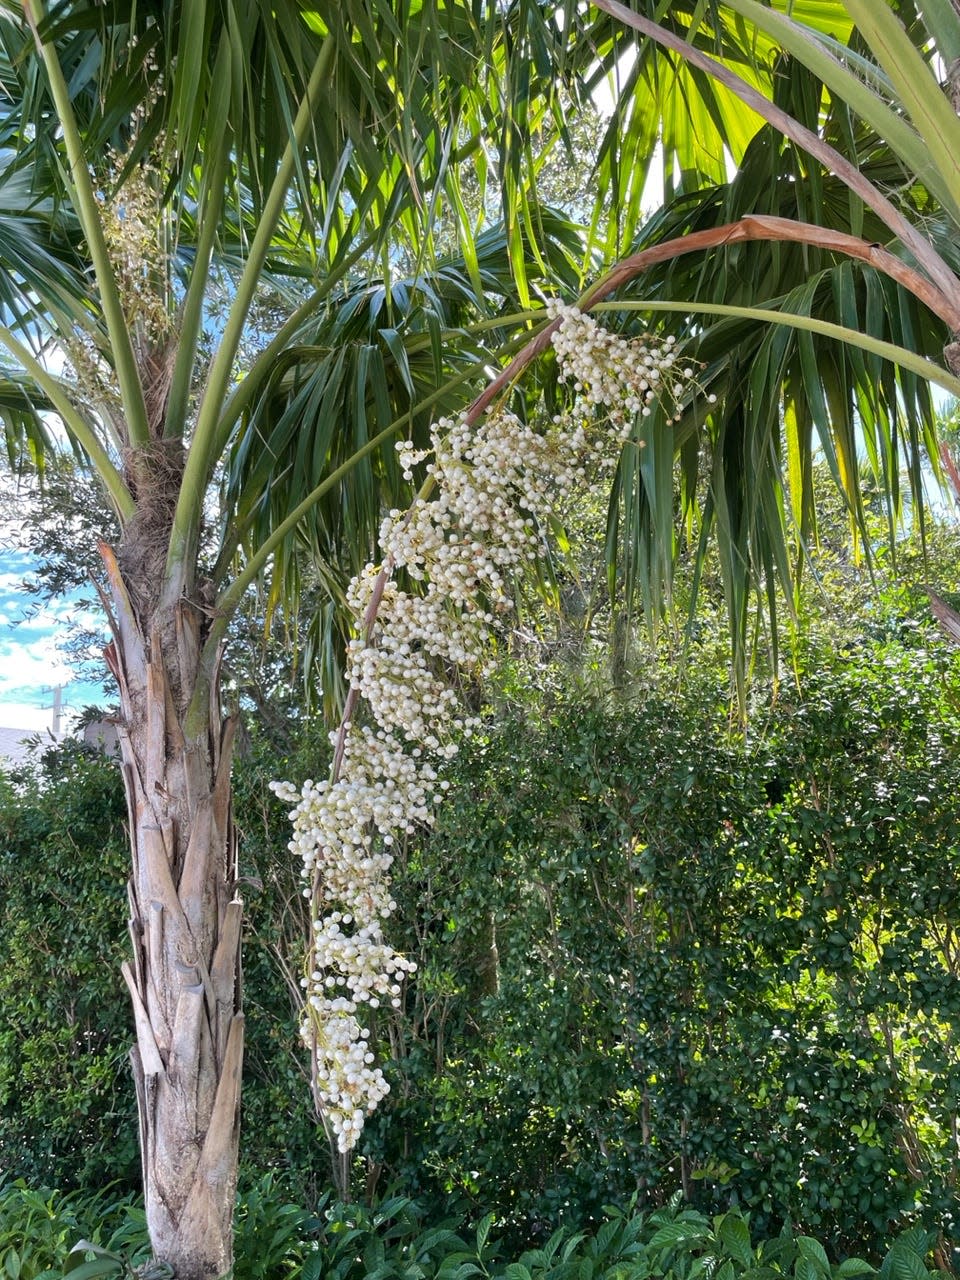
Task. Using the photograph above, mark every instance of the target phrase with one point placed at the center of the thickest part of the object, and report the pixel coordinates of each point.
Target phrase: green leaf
(903, 1263)
(855, 1267)
(517, 1271)
(96, 1267)
(814, 1251)
(484, 1227)
(734, 1235)
(679, 1232)
(921, 95)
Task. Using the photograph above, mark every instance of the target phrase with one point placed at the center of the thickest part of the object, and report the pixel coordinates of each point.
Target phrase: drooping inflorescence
(491, 487)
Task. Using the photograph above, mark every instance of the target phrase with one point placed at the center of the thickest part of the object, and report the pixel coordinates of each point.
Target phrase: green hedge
(724, 966)
(66, 1110)
(654, 956)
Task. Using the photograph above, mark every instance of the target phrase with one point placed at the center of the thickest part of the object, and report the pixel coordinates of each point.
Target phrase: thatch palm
(162, 143)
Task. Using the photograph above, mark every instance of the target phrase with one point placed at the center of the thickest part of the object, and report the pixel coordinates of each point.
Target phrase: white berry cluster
(491, 487)
(625, 376)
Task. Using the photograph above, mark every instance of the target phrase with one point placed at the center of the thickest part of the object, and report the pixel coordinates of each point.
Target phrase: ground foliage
(656, 954)
(393, 1240)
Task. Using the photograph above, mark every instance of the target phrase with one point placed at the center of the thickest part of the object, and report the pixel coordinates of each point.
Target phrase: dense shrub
(654, 956)
(67, 1114)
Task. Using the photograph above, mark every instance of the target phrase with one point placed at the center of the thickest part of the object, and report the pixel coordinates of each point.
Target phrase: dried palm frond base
(948, 618)
(154, 473)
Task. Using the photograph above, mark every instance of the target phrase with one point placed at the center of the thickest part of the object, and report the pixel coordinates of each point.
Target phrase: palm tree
(810, 157)
(177, 173)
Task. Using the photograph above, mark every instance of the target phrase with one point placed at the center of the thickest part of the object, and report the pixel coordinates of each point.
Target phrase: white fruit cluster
(625, 376)
(480, 516)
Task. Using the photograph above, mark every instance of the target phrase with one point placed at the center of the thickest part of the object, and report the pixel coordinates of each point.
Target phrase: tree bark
(185, 916)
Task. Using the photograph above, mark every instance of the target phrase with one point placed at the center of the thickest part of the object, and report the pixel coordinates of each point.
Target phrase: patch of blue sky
(32, 660)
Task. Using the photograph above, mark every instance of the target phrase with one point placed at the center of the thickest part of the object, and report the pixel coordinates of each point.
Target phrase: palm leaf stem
(942, 20)
(190, 321)
(852, 337)
(202, 454)
(785, 230)
(88, 215)
(935, 267)
(917, 89)
(78, 428)
(870, 106)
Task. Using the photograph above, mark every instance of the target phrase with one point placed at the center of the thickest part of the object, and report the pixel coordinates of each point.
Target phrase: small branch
(946, 457)
(191, 317)
(787, 231)
(948, 618)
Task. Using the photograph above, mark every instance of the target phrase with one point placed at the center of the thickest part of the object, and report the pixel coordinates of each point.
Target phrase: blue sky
(31, 662)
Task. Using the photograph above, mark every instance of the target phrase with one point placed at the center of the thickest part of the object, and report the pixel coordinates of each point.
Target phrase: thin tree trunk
(185, 918)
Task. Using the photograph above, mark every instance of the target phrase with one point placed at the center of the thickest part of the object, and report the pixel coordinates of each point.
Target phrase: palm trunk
(185, 916)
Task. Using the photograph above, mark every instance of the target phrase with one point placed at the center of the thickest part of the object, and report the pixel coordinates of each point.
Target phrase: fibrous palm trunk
(185, 916)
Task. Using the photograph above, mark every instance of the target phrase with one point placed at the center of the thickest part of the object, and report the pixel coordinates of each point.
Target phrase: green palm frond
(378, 364)
(313, 161)
(742, 469)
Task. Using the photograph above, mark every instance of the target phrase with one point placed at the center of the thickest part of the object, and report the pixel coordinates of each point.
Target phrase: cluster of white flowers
(491, 487)
(136, 232)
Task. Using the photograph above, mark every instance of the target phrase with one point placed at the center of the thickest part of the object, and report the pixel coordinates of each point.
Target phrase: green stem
(231, 597)
(241, 397)
(75, 424)
(201, 454)
(808, 49)
(88, 214)
(888, 350)
(263, 553)
(191, 319)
